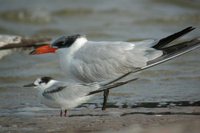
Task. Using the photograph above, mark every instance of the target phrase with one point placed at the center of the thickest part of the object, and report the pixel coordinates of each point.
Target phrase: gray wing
(55, 88)
(97, 61)
(70, 91)
(170, 52)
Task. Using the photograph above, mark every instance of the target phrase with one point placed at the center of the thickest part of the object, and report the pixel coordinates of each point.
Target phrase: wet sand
(138, 120)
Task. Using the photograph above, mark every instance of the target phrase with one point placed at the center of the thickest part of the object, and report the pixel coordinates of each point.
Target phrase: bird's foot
(106, 93)
(61, 113)
(65, 113)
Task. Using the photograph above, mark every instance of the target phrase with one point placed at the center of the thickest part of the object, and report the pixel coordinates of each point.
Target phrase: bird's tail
(167, 40)
(175, 51)
(111, 86)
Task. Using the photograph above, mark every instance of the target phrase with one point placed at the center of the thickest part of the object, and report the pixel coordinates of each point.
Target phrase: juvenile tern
(89, 61)
(70, 95)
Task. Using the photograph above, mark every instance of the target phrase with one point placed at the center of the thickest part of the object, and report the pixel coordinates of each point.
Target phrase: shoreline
(111, 120)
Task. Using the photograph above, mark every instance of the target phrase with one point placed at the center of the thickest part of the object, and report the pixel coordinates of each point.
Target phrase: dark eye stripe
(45, 79)
(64, 41)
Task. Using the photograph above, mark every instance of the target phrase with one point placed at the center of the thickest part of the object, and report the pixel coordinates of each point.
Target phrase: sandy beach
(139, 120)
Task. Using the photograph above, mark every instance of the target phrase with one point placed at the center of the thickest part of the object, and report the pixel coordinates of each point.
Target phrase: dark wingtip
(190, 28)
(164, 41)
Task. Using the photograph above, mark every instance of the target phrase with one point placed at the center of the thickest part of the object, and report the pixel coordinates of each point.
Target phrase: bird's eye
(60, 43)
(64, 41)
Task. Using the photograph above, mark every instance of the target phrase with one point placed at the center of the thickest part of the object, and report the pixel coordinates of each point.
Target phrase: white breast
(66, 57)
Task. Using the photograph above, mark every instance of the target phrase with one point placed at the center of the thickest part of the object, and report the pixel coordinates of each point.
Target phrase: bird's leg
(105, 98)
(65, 114)
(61, 113)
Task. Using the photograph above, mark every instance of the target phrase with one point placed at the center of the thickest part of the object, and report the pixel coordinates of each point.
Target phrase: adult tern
(89, 61)
(70, 95)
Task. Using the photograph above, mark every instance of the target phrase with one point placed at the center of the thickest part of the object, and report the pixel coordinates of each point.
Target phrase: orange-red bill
(44, 50)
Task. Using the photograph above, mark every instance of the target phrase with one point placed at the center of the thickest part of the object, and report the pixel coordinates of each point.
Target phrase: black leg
(61, 113)
(105, 98)
(65, 114)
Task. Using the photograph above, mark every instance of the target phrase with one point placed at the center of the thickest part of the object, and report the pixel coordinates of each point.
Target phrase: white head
(42, 83)
(68, 41)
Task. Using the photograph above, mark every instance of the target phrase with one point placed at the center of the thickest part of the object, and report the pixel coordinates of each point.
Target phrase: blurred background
(116, 20)
(105, 19)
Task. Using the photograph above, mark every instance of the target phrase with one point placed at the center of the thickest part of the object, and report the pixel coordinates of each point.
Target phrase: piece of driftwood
(10, 43)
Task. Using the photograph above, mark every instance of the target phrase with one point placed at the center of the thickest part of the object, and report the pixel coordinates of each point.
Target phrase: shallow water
(177, 80)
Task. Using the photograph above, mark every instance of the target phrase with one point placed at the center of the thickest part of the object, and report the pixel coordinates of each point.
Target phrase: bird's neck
(73, 48)
(78, 44)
